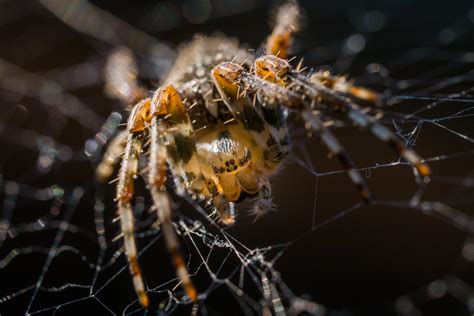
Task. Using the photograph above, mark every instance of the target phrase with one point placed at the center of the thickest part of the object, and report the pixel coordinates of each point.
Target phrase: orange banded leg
(156, 182)
(287, 21)
(125, 190)
(355, 114)
(139, 116)
(335, 148)
(341, 84)
(182, 152)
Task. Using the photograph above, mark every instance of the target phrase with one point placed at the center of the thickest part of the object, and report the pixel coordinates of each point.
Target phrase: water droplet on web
(90, 147)
(437, 289)
(354, 44)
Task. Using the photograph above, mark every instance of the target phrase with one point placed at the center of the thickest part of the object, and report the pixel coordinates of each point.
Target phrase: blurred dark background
(353, 261)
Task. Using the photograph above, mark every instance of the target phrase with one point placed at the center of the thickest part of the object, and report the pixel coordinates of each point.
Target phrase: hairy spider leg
(125, 191)
(181, 146)
(287, 23)
(274, 70)
(161, 201)
(319, 92)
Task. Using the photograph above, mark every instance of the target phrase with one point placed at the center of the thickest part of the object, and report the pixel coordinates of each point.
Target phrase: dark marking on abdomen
(273, 114)
(183, 149)
(251, 120)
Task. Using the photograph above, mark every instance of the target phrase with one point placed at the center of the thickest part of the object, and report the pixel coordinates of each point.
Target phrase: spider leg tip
(144, 301)
(423, 169)
(228, 220)
(192, 293)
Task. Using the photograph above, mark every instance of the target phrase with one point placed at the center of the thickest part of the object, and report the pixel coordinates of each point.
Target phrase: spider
(218, 127)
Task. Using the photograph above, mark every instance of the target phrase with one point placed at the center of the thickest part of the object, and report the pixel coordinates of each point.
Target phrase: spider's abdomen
(233, 158)
(225, 154)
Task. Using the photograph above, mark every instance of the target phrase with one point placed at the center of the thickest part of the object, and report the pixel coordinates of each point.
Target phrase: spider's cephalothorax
(218, 124)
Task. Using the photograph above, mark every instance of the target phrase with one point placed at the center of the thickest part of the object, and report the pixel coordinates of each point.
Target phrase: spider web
(323, 252)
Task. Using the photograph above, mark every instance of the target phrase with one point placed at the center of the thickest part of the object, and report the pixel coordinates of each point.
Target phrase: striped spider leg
(166, 103)
(125, 190)
(341, 102)
(312, 89)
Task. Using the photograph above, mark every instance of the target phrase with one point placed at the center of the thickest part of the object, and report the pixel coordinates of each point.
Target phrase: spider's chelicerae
(218, 124)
